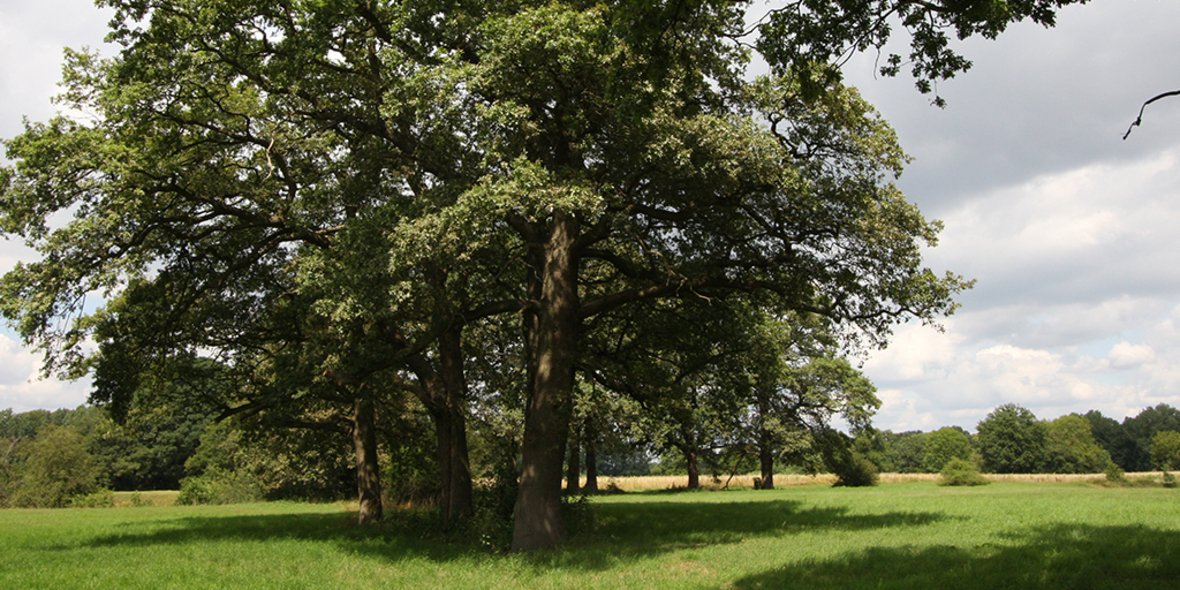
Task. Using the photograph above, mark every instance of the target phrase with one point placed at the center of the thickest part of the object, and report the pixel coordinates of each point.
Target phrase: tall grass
(895, 536)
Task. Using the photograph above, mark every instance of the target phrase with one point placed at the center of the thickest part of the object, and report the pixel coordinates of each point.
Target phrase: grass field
(896, 536)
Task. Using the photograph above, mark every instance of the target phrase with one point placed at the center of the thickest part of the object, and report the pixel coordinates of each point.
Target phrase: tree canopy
(1012, 440)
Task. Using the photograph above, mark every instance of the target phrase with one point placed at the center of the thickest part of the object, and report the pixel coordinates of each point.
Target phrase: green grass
(902, 536)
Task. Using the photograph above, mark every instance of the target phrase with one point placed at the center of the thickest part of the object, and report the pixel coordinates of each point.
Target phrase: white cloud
(23, 389)
(1125, 355)
(915, 353)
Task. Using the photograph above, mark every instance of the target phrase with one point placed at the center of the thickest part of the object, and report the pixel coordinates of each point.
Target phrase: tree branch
(1139, 119)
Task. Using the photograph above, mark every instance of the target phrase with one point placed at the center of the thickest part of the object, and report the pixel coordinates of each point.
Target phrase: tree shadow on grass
(396, 539)
(1049, 558)
(624, 531)
(686, 523)
(630, 531)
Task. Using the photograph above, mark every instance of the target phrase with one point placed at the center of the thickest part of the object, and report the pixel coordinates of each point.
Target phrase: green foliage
(1165, 450)
(943, 445)
(219, 487)
(807, 36)
(1141, 429)
(410, 472)
(236, 465)
(1115, 475)
(1071, 447)
(961, 472)
(1012, 440)
(102, 498)
(1169, 480)
(57, 468)
(873, 444)
(852, 469)
(907, 451)
(138, 501)
(1110, 435)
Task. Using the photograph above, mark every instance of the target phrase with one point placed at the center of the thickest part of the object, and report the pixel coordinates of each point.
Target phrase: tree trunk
(444, 393)
(537, 523)
(766, 457)
(457, 490)
(573, 467)
(591, 459)
(368, 475)
(694, 469)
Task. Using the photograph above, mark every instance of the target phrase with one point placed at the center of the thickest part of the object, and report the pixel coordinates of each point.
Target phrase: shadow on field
(335, 528)
(676, 524)
(624, 531)
(1050, 558)
(627, 531)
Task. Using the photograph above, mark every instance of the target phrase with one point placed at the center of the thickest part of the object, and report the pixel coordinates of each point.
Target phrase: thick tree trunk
(591, 459)
(368, 475)
(694, 469)
(537, 523)
(766, 458)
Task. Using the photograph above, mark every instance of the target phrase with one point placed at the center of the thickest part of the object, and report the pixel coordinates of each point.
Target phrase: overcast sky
(1072, 233)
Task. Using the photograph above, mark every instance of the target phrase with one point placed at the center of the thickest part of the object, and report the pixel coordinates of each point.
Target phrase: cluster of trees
(1012, 440)
(49, 458)
(60, 458)
(348, 213)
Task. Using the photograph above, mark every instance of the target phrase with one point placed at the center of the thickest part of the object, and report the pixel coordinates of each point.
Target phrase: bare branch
(1139, 119)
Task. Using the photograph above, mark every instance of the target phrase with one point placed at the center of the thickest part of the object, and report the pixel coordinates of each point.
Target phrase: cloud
(1125, 355)
(23, 389)
(32, 36)
(1036, 101)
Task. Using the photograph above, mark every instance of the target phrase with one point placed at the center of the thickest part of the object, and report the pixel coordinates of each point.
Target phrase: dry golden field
(154, 498)
(666, 482)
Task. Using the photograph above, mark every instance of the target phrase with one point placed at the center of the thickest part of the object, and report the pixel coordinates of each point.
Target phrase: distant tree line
(1011, 439)
(50, 459)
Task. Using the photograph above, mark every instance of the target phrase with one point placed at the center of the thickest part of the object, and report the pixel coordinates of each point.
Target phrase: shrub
(1115, 475)
(103, 498)
(219, 488)
(961, 472)
(855, 471)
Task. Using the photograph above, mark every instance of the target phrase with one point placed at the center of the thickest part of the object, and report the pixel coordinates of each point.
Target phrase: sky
(1072, 233)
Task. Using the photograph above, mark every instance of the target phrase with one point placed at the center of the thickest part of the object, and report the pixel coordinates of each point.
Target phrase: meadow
(899, 535)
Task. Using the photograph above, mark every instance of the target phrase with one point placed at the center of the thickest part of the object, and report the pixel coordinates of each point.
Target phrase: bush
(1115, 475)
(961, 472)
(856, 471)
(103, 498)
(138, 501)
(219, 488)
